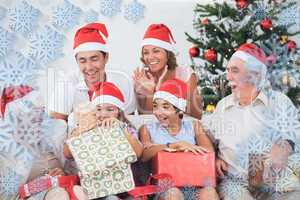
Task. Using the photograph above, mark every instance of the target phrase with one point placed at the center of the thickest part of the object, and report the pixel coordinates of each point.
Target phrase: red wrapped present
(46, 182)
(186, 168)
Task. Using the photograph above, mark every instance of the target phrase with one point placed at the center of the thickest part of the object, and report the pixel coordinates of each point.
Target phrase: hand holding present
(85, 116)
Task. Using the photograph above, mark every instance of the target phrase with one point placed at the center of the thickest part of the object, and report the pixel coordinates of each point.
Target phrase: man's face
(238, 77)
(92, 65)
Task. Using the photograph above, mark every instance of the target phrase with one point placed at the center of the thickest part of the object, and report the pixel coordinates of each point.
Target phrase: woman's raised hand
(144, 82)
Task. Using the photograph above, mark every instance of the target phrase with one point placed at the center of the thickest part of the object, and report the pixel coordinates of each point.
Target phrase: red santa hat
(107, 92)
(91, 37)
(159, 35)
(174, 91)
(254, 57)
(12, 93)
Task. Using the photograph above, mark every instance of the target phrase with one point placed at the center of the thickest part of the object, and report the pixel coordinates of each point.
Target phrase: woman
(158, 56)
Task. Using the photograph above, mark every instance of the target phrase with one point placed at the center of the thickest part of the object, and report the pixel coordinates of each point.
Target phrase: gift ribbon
(142, 192)
(46, 182)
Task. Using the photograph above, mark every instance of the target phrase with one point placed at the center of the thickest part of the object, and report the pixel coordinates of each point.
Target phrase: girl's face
(106, 110)
(165, 112)
(155, 58)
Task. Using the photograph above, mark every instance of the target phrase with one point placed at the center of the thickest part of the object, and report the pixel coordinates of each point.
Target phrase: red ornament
(266, 24)
(291, 45)
(210, 55)
(241, 4)
(194, 52)
(205, 21)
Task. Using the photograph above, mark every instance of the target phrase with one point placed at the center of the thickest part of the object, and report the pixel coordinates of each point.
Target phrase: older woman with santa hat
(158, 56)
(257, 149)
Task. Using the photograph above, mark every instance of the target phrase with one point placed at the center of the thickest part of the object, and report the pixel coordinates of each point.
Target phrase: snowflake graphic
(110, 8)
(289, 16)
(190, 193)
(66, 16)
(261, 11)
(282, 119)
(13, 149)
(23, 18)
(134, 11)
(91, 16)
(9, 182)
(231, 188)
(17, 70)
(2, 12)
(6, 40)
(46, 46)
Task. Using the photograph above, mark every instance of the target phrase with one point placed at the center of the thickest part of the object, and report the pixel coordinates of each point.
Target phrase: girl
(109, 102)
(158, 56)
(172, 132)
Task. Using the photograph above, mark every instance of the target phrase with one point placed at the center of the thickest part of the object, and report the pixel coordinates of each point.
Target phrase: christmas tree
(223, 27)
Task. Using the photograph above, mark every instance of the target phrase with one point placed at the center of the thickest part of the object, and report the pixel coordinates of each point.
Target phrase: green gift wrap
(103, 157)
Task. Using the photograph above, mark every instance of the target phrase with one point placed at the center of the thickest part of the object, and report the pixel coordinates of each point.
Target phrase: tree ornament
(291, 45)
(210, 55)
(241, 4)
(194, 52)
(284, 39)
(205, 21)
(210, 108)
(266, 24)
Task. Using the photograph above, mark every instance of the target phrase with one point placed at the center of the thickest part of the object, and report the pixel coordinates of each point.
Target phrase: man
(91, 54)
(251, 129)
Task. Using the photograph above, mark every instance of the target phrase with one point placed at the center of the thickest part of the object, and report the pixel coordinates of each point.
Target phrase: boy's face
(164, 112)
(92, 65)
(106, 110)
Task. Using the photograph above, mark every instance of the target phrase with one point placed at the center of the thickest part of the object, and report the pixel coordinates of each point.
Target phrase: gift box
(103, 157)
(186, 168)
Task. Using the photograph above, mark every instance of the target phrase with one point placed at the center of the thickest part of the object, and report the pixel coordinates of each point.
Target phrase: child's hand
(56, 172)
(185, 146)
(279, 154)
(108, 122)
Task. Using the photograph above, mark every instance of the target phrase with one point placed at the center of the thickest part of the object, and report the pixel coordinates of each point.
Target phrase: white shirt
(73, 91)
(242, 130)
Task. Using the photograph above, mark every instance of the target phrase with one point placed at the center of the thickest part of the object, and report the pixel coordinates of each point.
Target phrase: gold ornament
(210, 108)
(284, 39)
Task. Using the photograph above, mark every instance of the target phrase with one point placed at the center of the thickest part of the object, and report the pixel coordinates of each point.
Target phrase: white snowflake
(17, 70)
(261, 11)
(110, 8)
(46, 46)
(190, 193)
(9, 182)
(134, 11)
(289, 16)
(23, 18)
(282, 119)
(66, 16)
(6, 40)
(91, 16)
(2, 12)
(13, 149)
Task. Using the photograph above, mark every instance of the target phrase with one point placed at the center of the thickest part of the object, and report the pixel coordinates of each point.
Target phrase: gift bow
(46, 182)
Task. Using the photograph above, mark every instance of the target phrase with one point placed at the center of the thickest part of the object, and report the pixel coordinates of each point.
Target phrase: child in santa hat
(107, 108)
(159, 57)
(173, 132)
